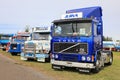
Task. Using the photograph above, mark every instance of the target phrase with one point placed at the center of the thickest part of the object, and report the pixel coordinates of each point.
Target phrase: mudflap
(22, 57)
(42, 57)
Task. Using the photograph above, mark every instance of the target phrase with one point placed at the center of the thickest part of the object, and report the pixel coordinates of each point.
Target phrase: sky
(15, 15)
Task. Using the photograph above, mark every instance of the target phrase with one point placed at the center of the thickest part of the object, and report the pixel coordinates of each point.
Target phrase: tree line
(107, 38)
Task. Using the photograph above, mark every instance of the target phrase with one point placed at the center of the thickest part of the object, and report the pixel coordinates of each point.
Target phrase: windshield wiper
(73, 28)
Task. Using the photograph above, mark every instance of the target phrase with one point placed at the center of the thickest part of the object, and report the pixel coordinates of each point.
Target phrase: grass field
(107, 73)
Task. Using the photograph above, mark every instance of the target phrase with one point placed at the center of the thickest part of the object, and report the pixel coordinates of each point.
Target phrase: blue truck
(77, 41)
(17, 44)
(4, 40)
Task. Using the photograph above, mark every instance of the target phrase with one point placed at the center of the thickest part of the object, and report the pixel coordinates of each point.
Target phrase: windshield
(72, 29)
(22, 37)
(41, 36)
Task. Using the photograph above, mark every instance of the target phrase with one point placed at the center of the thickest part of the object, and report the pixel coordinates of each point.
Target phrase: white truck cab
(38, 47)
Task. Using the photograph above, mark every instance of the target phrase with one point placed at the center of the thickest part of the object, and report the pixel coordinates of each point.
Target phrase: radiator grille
(81, 48)
(13, 45)
(29, 48)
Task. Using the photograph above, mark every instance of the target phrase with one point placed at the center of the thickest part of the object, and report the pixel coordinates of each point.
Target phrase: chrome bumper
(73, 64)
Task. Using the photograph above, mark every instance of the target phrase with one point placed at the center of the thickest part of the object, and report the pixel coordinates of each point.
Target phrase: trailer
(117, 46)
(39, 47)
(109, 45)
(77, 41)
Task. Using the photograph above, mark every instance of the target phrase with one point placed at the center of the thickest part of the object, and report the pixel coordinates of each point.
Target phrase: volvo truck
(77, 41)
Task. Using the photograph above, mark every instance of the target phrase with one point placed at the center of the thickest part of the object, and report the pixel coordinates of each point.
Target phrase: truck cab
(17, 42)
(39, 47)
(77, 40)
(4, 40)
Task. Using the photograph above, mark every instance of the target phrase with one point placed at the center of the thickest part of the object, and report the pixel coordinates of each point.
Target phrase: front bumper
(73, 64)
(33, 55)
(39, 57)
(14, 51)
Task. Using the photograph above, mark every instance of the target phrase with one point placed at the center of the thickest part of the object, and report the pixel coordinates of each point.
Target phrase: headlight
(56, 56)
(83, 58)
(88, 58)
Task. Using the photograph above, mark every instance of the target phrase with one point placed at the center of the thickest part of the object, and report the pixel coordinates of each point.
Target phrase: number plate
(69, 64)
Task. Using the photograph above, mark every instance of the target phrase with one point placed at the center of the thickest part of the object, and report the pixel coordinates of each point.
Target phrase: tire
(97, 64)
(4, 49)
(97, 69)
(13, 54)
(111, 59)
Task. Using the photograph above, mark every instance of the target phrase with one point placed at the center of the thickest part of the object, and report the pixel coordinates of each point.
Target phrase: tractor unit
(16, 45)
(77, 41)
(39, 47)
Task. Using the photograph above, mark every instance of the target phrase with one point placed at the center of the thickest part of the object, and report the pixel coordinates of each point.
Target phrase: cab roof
(88, 12)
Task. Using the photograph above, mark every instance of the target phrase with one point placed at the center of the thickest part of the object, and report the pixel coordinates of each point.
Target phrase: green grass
(107, 73)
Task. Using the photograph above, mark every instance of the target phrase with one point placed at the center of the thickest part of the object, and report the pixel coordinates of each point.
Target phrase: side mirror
(99, 30)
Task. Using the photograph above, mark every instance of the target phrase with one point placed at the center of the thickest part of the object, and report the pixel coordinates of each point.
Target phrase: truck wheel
(97, 65)
(13, 54)
(111, 59)
(4, 49)
(97, 68)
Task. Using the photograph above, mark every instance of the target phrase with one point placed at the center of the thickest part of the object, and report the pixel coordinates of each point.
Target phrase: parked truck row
(75, 40)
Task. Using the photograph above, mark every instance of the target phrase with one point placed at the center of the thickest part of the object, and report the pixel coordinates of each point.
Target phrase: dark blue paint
(94, 41)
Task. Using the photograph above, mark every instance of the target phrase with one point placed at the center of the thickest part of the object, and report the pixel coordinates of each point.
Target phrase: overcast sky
(16, 14)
